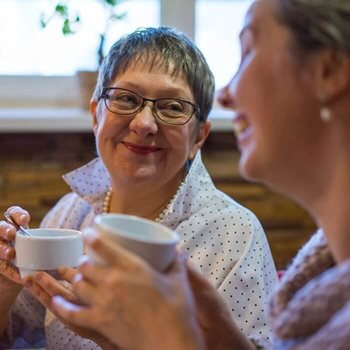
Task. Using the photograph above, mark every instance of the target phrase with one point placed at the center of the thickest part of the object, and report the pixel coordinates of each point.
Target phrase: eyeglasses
(170, 111)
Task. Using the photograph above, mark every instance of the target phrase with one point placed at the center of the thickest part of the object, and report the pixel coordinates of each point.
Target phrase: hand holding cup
(9, 273)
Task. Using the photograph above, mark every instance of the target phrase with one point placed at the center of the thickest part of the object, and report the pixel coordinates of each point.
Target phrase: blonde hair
(317, 24)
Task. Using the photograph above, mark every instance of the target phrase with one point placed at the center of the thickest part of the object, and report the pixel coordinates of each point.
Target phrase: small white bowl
(47, 249)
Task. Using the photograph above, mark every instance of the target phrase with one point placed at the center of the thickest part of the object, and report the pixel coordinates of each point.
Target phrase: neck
(332, 212)
(144, 202)
(330, 202)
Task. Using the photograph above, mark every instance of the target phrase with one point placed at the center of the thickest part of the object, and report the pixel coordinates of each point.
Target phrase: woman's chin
(256, 169)
(249, 168)
(142, 177)
(135, 175)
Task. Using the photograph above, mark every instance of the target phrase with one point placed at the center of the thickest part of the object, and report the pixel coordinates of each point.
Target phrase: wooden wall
(31, 166)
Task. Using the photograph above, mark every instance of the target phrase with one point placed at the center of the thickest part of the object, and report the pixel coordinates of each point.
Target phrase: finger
(7, 252)
(84, 290)
(72, 313)
(179, 264)
(205, 293)
(20, 215)
(91, 271)
(7, 231)
(53, 287)
(198, 281)
(67, 273)
(38, 292)
(112, 252)
(10, 272)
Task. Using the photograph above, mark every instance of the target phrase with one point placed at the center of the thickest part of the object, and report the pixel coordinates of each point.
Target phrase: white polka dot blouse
(224, 239)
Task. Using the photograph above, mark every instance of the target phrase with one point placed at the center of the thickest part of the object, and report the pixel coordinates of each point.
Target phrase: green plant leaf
(71, 22)
(61, 10)
(43, 23)
(111, 2)
(66, 28)
(117, 17)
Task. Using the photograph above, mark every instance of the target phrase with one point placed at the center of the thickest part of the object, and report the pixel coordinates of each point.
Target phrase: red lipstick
(140, 149)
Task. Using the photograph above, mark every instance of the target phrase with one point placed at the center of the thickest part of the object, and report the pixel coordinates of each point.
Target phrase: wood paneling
(31, 166)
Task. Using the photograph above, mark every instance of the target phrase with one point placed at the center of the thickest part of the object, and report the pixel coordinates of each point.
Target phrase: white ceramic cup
(150, 240)
(47, 249)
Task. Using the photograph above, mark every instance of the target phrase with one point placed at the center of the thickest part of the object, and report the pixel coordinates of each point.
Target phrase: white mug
(47, 249)
(150, 240)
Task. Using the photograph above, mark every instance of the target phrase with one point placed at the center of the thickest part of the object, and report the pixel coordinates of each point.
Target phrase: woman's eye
(172, 106)
(124, 99)
(127, 98)
(175, 107)
(247, 40)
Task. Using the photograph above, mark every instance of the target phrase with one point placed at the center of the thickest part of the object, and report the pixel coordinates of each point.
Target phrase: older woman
(149, 113)
(291, 96)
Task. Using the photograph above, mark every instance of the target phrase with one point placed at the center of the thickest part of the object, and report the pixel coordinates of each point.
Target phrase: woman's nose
(144, 122)
(225, 95)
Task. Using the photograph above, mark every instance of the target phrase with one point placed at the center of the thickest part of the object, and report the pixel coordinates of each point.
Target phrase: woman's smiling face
(138, 149)
(276, 120)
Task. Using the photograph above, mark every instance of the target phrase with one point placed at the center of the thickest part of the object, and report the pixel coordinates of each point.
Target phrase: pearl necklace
(107, 203)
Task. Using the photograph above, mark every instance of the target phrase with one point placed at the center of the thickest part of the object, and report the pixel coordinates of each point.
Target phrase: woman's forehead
(152, 63)
(260, 8)
(147, 78)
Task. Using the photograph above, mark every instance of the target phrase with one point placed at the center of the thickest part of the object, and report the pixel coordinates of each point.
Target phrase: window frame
(38, 92)
(46, 90)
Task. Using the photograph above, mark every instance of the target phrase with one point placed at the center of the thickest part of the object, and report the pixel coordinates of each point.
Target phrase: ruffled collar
(91, 182)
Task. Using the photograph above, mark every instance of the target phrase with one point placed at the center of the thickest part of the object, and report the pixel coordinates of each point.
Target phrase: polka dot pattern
(224, 239)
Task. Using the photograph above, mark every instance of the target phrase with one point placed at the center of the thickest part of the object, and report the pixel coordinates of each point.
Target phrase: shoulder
(222, 222)
(223, 209)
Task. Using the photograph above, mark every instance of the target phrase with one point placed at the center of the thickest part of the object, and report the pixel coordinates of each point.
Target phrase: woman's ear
(93, 111)
(332, 73)
(201, 135)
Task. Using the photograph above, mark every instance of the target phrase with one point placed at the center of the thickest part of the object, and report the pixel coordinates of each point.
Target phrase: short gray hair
(317, 24)
(163, 48)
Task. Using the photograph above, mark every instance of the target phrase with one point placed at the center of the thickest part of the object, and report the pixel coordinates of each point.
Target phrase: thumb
(196, 278)
(179, 264)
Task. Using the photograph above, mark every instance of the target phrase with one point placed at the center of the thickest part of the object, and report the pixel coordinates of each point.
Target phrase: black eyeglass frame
(105, 97)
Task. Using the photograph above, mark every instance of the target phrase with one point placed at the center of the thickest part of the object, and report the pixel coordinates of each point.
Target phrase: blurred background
(44, 120)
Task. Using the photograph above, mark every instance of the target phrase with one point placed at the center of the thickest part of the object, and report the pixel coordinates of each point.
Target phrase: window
(27, 50)
(218, 39)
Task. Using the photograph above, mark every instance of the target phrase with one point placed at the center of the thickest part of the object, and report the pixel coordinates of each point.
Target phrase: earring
(326, 114)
